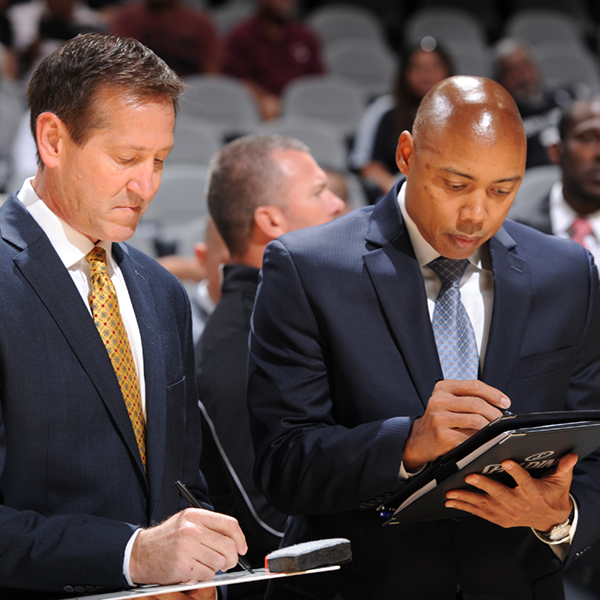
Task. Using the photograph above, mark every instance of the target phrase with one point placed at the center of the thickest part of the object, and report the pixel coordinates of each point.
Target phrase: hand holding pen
(192, 545)
(193, 501)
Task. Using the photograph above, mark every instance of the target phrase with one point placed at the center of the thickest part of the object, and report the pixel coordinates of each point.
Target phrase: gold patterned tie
(107, 317)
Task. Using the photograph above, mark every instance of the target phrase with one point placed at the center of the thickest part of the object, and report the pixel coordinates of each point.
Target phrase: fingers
(539, 503)
(217, 538)
(190, 546)
(221, 524)
(474, 389)
(455, 411)
(567, 464)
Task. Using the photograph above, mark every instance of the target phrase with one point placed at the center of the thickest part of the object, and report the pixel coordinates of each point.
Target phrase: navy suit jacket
(72, 485)
(343, 359)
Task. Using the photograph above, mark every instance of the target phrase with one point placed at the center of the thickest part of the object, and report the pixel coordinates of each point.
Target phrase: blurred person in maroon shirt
(269, 50)
(184, 37)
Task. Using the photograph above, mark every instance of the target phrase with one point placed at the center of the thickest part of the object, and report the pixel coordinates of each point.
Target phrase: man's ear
(405, 152)
(201, 252)
(270, 222)
(555, 152)
(50, 131)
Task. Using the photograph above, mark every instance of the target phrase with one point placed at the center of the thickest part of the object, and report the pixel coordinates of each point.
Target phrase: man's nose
(336, 206)
(474, 208)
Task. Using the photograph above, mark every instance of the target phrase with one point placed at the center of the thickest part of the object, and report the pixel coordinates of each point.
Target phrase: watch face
(559, 532)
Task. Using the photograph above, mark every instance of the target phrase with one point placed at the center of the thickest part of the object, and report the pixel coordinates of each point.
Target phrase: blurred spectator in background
(374, 152)
(517, 70)
(210, 254)
(271, 49)
(40, 26)
(572, 208)
(184, 37)
(8, 57)
(260, 187)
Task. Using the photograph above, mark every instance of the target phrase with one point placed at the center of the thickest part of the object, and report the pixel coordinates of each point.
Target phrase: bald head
(473, 108)
(463, 162)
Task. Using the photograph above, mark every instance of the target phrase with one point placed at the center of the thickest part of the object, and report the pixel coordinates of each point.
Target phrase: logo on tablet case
(540, 460)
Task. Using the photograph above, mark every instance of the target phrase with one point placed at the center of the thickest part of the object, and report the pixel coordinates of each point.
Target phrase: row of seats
(354, 42)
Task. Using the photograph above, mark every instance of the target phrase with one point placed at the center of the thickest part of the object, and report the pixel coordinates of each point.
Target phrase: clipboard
(537, 441)
(219, 580)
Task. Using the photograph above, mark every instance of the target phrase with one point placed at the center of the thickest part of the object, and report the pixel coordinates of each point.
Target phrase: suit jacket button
(379, 499)
(79, 589)
(90, 588)
(372, 503)
(363, 505)
(68, 589)
(99, 589)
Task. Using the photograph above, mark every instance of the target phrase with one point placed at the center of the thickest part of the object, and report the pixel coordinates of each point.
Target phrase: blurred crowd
(356, 70)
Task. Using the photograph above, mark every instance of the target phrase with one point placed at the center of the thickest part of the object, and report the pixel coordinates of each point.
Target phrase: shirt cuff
(127, 558)
(403, 475)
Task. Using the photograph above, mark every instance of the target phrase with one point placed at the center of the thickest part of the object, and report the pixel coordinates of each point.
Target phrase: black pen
(192, 501)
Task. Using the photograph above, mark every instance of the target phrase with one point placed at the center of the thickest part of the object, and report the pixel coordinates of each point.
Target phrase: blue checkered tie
(452, 328)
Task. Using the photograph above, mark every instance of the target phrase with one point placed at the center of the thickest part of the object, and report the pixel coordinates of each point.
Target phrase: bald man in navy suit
(346, 387)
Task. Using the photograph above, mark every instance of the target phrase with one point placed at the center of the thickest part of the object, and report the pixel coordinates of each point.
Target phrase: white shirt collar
(70, 245)
(202, 297)
(424, 252)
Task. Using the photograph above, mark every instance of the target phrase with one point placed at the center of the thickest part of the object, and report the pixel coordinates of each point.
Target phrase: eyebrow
(455, 172)
(144, 149)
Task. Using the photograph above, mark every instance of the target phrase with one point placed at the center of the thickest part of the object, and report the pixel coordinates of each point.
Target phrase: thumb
(566, 465)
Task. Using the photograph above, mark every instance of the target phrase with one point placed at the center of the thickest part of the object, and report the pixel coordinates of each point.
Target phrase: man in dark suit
(260, 187)
(350, 394)
(99, 407)
(572, 207)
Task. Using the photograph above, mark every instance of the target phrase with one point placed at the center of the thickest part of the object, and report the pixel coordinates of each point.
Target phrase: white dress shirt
(562, 217)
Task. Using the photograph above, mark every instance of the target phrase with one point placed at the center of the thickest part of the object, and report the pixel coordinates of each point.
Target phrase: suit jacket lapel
(43, 269)
(398, 282)
(512, 296)
(142, 298)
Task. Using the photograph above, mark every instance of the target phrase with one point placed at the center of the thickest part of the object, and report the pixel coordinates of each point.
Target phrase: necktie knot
(449, 270)
(580, 229)
(96, 257)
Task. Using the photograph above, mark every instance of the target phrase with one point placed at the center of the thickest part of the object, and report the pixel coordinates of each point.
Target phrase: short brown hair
(67, 82)
(243, 176)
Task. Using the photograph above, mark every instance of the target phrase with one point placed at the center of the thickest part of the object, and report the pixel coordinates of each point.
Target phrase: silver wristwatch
(559, 534)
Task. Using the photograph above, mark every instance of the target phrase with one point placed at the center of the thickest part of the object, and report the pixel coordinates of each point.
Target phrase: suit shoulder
(342, 233)
(546, 251)
(526, 235)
